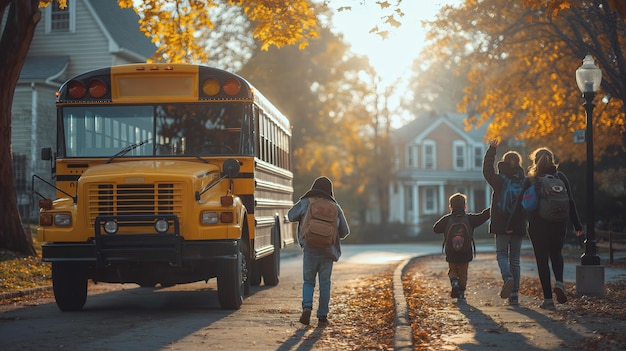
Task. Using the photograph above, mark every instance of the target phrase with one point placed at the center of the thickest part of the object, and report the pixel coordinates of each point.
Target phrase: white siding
(87, 46)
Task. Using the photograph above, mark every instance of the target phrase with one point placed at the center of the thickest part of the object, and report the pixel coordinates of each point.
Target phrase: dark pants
(548, 239)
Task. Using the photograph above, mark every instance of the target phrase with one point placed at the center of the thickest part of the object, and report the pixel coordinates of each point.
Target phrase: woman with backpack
(548, 234)
(506, 185)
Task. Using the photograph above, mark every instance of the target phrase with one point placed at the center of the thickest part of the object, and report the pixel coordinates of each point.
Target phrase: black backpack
(553, 198)
(459, 236)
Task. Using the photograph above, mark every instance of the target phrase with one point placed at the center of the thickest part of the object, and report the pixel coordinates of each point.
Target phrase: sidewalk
(487, 321)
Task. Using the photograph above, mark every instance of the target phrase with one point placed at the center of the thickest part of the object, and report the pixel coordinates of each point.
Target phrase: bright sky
(393, 56)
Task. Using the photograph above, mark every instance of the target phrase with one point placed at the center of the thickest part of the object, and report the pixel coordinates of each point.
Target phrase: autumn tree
(520, 66)
(322, 90)
(173, 25)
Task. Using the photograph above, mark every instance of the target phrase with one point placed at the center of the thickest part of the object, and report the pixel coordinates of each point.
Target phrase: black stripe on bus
(67, 178)
(245, 175)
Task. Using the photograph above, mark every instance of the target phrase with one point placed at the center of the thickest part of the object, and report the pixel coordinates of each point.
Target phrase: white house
(86, 35)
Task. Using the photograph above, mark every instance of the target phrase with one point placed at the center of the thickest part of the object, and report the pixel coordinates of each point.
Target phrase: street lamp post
(588, 78)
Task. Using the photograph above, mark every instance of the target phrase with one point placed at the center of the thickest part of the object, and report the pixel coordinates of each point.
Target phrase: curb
(25, 292)
(403, 335)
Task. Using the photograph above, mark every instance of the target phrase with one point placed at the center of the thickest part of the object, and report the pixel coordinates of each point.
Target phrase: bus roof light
(97, 88)
(211, 86)
(76, 89)
(232, 86)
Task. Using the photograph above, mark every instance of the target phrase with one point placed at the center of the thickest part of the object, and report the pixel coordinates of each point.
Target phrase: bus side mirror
(230, 168)
(46, 154)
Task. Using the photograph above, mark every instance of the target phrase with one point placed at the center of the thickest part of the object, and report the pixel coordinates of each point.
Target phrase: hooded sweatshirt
(322, 188)
(498, 223)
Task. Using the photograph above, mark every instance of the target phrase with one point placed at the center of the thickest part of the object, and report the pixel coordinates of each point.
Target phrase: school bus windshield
(193, 129)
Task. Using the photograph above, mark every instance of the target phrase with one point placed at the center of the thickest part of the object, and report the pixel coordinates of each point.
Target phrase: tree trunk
(21, 21)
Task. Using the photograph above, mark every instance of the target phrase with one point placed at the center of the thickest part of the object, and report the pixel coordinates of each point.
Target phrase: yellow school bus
(165, 174)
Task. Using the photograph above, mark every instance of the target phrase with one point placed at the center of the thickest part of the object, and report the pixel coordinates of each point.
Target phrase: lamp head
(588, 76)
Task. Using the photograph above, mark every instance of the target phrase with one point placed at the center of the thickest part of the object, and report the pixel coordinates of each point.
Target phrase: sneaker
(461, 297)
(548, 304)
(559, 291)
(305, 318)
(513, 299)
(507, 288)
(455, 288)
(322, 321)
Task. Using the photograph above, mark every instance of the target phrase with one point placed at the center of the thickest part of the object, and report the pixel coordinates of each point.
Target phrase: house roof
(44, 68)
(120, 25)
(123, 27)
(426, 122)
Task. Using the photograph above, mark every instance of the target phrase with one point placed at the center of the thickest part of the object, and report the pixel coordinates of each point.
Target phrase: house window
(411, 156)
(478, 157)
(60, 20)
(459, 155)
(430, 200)
(428, 159)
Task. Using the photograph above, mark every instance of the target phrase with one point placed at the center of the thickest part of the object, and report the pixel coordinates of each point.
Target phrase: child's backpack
(319, 226)
(553, 198)
(459, 236)
(507, 197)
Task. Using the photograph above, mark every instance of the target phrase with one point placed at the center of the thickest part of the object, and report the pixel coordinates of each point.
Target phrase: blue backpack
(510, 191)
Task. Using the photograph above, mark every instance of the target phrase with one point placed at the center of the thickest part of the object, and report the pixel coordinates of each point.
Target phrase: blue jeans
(508, 248)
(321, 266)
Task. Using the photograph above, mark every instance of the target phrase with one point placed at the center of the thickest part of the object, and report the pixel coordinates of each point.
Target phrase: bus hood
(142, 171)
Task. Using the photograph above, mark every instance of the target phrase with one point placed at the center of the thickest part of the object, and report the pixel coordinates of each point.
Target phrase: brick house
(435, 157)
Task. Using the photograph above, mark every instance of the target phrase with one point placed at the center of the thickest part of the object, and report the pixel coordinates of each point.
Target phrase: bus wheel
(69, 282)
(270, 265)
(255, 273)
(231, 282)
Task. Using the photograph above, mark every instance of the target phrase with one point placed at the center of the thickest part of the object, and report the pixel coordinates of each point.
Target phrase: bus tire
(255, 272)
(231, 282)
(69, 283)
(270, 265)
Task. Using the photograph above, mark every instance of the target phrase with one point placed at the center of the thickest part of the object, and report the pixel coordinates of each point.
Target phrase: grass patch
(18, 272)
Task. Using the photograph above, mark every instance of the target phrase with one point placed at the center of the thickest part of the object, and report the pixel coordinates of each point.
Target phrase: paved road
(187, 317)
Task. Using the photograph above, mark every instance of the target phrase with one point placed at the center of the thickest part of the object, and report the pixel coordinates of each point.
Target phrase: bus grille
(133, 199)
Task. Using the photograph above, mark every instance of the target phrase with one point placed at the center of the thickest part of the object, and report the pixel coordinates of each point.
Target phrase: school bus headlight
(226, 217)
(208, 217)
(211, 86)
(161, 226)
(45, 220)
(111, 227)
(62, 219)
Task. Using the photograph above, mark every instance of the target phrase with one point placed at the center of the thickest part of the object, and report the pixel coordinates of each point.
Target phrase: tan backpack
(319, 226)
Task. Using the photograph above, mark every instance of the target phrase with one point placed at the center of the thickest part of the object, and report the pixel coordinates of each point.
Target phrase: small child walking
(458, 229)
